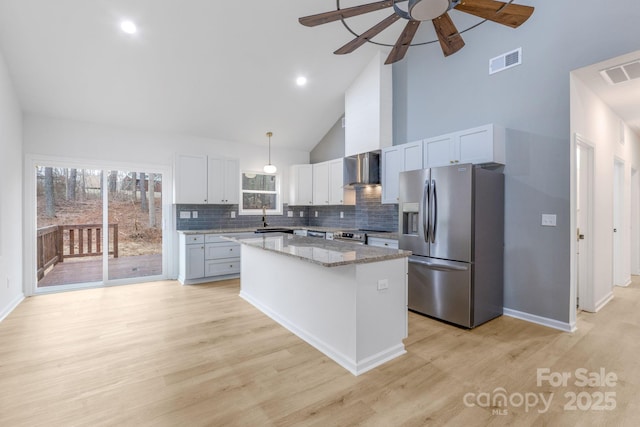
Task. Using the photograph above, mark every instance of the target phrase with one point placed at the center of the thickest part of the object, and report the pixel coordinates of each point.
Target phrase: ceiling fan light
(426, 10)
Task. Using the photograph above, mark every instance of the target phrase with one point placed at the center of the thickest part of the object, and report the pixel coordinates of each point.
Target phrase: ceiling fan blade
(512, 15)
(348, 12)
(402, 45)
(367, 35)
(450, 39)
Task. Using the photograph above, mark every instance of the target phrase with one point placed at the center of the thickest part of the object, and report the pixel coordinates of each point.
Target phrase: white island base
(356, 314)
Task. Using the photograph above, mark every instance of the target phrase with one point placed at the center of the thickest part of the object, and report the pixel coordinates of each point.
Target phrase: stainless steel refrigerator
(452, 219)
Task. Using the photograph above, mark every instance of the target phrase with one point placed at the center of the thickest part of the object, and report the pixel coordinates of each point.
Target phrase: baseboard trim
(603, 301)
(12, 305)
(627, 283)
(544, 321)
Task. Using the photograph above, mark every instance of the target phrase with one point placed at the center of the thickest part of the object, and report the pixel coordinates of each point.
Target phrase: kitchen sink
(274, 230)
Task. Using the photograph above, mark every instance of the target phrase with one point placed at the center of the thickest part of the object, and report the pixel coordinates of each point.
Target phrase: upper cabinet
(321, 183)
(190, 180)
(338, 195)
(484, 145)
(200, 179)
(396, 159)
(223, 181)
(481, 145)
(301, 185)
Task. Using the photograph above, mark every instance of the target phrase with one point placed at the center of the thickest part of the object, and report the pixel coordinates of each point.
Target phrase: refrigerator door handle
(425, 210)
(433, 216)
(437, 266)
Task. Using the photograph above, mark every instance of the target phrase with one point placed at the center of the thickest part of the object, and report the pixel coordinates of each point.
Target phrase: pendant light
(269, 168)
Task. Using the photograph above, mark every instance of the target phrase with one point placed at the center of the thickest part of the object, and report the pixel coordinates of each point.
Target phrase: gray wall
(435, 95)
(331, 146)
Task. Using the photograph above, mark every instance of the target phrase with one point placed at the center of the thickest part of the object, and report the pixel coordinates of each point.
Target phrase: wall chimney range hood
(362, 169)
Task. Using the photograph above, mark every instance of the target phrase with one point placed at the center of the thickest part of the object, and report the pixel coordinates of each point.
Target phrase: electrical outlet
(341, 214)
(549, 220)
(316, 214)
(233, 214)
(290, 214)
(185, 214)
(301, 214)
(194, 214)
(383, 284)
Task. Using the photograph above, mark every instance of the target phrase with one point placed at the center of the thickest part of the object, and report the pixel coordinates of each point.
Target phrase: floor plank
(164, 354)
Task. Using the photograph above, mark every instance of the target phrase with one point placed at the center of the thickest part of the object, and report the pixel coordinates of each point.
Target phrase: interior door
(618, 203)
(451, 212)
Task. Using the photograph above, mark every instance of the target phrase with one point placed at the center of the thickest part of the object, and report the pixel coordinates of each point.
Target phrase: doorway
(96, 227)
(618, 218)
(635, 222)
(584, 225)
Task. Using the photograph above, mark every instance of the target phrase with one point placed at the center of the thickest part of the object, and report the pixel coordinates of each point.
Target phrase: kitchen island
(349, 301)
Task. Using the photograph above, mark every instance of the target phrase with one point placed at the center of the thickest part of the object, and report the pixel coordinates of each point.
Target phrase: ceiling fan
(418, 11)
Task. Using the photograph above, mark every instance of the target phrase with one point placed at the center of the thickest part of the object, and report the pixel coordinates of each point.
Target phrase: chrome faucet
(264, 217)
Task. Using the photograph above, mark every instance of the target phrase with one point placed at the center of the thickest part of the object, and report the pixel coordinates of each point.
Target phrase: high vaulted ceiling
(224, 70)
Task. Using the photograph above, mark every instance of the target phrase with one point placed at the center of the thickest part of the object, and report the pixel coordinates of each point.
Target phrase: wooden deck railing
(57, 242)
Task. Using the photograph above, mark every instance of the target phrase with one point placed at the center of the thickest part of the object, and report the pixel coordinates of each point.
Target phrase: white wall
(10, 195)
(593, 120)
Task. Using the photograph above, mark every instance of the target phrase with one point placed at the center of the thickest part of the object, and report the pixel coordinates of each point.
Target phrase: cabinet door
(412, 155)
(194, 261)
(475, 145)
(438, 151)
(216, 181)
(321, 183)
(336, 182)
(392, 160)
(190, 183)
(301, 185)
(231, 182)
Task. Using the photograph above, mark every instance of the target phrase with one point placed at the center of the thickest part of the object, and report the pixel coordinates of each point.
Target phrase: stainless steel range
(353, 236)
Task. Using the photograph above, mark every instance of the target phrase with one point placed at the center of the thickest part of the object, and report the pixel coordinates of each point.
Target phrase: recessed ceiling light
(128, 27)
(301, 81)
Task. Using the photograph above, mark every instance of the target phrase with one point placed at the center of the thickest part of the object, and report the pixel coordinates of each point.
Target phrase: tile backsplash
(368, 213)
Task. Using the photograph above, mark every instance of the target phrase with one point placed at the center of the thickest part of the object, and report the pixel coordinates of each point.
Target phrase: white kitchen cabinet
(382, 242)
(191, 257)
(301, 185)
(481, 145)
(223, 181)
(206, 258)
(338, 195)
(321, 183)
(396, 159)
(201, 179)
(190, 182)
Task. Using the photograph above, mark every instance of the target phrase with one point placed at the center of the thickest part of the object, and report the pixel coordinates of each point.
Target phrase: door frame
(586, 286)
(619, 248)
(635, 221)
(30, 283)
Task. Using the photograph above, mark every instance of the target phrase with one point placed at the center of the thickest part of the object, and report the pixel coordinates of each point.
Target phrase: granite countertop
(328, 253)
(252, 229)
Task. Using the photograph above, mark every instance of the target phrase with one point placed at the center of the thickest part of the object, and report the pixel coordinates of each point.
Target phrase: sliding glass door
(96, 226)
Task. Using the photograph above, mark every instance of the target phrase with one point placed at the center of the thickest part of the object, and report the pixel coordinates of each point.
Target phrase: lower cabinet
(206, 258)
(382, 242)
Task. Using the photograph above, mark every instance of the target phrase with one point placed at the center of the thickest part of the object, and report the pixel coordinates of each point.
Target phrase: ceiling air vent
(505, 61)
(621, 73)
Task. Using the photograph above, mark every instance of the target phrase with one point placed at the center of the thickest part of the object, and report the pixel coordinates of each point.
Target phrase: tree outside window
(260, 190)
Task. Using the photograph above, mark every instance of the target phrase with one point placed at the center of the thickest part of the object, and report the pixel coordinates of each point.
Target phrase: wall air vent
(621, 73)
(505, 61)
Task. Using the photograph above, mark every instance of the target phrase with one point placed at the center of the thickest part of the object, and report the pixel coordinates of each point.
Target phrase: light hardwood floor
(162, 354)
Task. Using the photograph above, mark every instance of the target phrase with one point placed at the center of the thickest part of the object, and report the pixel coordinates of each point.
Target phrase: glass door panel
(69, 226)
(135, 224)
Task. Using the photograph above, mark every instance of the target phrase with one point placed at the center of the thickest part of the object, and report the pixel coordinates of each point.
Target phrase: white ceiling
(224, 70)
(623, 98)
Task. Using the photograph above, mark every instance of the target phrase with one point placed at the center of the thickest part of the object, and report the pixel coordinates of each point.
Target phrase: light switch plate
(301, 214)
(233, 214)
(194, 214)
(341, 214)
(290, 214)
(549, 220)
(316, 214)
(185, 214)
(383, 284)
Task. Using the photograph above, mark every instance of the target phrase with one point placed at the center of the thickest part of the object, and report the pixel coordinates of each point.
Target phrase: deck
(90, 270)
